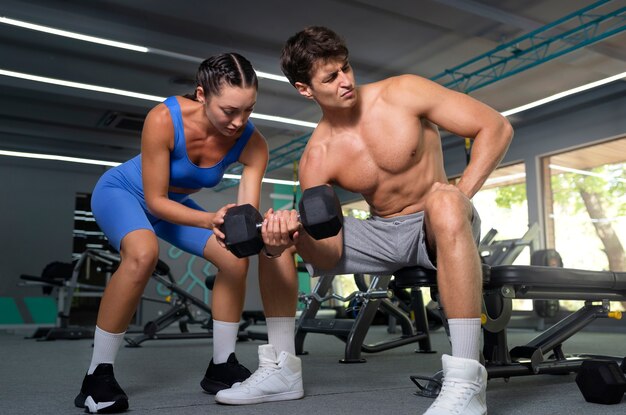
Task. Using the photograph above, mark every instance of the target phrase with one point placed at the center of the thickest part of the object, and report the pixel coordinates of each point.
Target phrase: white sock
(465, 337)
(105, 347)
(224, 339)
(281, 333)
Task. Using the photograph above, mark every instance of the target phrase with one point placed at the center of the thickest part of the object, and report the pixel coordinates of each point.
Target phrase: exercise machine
(544, 354)
(180, 312)
(64, 279)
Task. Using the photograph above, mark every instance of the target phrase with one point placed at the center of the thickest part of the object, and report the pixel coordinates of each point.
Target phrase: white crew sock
(281, 333)
(465, 337)
(105, 347)
(224, 339)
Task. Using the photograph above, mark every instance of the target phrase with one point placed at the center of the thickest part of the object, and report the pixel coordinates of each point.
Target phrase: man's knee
(447, 210)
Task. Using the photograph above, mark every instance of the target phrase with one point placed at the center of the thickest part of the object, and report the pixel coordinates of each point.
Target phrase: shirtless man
(381, 140)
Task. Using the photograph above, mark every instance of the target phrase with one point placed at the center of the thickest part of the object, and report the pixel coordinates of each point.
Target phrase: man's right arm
(317, 168)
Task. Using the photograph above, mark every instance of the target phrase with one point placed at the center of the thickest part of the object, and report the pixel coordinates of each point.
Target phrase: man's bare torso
(390, 156)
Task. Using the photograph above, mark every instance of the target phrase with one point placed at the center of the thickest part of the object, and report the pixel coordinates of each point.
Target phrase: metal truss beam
(574, 31)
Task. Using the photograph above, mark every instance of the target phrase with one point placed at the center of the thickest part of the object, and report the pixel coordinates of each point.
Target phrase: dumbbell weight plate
(320, 212)
(241, 228)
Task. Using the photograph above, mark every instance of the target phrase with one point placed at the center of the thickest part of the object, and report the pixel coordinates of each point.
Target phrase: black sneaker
(222, 376)
(100, 393)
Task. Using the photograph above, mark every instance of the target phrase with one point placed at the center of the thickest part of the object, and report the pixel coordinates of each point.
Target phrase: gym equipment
(55, 276)
(544, 354)
(181, 301)
(546, 309)
(320, 215)
(504, 252)
(404, 308)
(63, 277)
(353, 331)
(601, 381)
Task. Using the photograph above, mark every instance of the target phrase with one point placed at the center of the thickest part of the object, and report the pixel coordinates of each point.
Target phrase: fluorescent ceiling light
(80, 85)
(114, 164)
(122, 45)
(283, 120)
(132, 94)
(265, 180)
(57, 158)
(564, 94)
(73, 35)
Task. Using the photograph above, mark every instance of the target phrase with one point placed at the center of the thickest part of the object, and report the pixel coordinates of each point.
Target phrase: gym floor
(162, 377)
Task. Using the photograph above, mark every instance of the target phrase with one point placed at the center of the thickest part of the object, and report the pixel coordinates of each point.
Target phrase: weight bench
(544, 354)
(372, 298)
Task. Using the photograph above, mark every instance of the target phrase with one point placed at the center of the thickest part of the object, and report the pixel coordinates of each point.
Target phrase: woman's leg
(278, 282)
(100, 391)
(229, 291)
(139, 252)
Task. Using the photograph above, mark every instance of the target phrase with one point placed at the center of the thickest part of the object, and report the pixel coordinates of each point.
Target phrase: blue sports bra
(185, 174)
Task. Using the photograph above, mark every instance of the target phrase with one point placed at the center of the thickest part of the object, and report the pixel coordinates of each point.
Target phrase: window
(502, 206)
(585, 202)
(585, 208)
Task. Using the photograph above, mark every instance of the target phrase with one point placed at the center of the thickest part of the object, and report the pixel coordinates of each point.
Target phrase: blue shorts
(119, 208)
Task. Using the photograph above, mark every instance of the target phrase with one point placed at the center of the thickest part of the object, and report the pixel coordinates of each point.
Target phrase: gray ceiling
(385, 38)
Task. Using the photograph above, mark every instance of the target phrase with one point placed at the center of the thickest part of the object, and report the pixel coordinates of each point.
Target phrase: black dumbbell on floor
(319, 213)
(602, 381)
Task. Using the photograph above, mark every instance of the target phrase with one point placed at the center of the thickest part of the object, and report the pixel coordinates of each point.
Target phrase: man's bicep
(459, 113)
(315, 168)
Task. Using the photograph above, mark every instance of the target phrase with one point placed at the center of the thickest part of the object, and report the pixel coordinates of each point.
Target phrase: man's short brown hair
(305, 48)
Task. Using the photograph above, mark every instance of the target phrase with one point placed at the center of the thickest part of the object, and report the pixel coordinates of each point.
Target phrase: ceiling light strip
(80, 85)
(39, 156)
(564, 94)
(73, 35)
(131, 94)
(122, 45)
(58, 158)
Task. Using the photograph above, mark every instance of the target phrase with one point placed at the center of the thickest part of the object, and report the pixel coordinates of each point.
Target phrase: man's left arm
(464, 116)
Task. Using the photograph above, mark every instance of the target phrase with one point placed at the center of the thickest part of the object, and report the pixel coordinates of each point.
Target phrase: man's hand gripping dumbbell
(244, 228)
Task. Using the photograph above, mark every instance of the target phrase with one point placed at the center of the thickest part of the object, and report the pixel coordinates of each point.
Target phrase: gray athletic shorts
(384, 245)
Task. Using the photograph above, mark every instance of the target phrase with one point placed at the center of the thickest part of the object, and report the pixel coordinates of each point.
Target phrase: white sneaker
(463, 390)
(278, 378)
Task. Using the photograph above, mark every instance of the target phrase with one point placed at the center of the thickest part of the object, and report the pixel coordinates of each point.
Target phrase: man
(382, 140)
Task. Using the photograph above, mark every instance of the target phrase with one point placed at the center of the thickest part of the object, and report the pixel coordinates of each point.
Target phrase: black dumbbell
(601, 381)
(320, 215)
(320, 212)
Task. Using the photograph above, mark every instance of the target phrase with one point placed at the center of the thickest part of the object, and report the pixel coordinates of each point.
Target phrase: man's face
(332, 84)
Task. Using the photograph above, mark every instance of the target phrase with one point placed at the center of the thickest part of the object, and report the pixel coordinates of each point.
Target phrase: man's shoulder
(391, 85)
(400, 82)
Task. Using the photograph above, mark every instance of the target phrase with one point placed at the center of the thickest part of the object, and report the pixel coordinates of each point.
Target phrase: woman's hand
(218, 221)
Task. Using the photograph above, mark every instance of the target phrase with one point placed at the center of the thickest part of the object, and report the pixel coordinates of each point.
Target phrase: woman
(187, 144)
